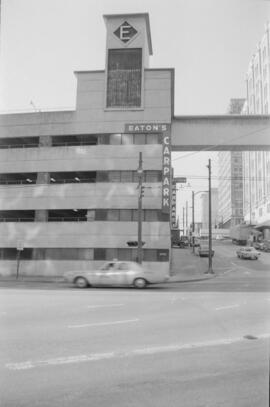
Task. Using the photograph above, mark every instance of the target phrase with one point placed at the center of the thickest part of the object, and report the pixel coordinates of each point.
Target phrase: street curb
(21, 280)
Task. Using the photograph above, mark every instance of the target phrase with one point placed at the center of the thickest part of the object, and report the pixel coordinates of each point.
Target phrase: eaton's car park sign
(164, 130)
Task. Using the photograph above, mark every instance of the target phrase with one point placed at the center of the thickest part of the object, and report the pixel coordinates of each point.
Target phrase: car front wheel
(140, 283)
(81, 282)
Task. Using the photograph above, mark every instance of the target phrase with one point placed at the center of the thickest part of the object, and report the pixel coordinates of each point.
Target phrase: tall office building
(205, 209)
(257, 163)
(69, 179)
(230, 184)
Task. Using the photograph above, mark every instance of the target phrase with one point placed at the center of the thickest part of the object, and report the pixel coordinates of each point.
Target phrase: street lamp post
(193, 224)
(210, 265)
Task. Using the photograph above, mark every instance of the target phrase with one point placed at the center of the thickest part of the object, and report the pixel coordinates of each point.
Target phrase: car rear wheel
(140, 283)
(81, 282)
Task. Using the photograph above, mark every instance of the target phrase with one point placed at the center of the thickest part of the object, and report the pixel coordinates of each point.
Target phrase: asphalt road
(163, 346)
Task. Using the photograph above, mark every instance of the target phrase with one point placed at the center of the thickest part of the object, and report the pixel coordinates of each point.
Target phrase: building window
(151, 215)
(112, 215)
(127, 138)
(124, 79)
(101, 214)
(126, 215)
(99, 254)
(10, 253)
(139, 138)
(126, 176)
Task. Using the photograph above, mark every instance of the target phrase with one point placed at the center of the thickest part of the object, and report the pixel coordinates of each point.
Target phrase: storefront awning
(263, 225)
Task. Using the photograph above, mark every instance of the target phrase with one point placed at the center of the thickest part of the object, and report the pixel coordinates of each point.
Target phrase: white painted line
(227, 307)
(104, 305)
(129, 353)
(228, 271)
(127, 321)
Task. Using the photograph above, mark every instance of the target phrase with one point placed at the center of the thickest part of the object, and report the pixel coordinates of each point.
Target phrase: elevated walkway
(221, 133)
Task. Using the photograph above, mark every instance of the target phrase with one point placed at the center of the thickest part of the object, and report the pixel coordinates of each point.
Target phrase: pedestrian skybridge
(217, 133)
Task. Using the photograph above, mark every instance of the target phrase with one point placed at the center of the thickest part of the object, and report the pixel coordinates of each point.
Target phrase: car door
(125, 274)
(111, 276)
(103, 276)
(117, 275)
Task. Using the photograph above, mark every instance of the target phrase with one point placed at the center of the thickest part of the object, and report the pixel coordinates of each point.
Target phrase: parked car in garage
(116, 274)
(248, 253)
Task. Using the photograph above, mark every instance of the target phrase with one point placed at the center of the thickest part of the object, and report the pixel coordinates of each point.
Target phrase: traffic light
(134, 243)
(142, 190)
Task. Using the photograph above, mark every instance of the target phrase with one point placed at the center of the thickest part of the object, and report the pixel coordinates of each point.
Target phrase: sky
(209, 43)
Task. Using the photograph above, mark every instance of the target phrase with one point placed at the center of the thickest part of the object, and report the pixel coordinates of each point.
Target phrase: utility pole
(249, 184)
(140, 188)
(210, 267)
(183, 220)
(186, 217)
(193, 224)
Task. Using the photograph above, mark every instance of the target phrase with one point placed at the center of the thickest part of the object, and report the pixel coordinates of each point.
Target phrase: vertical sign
(166, 171)
(173, 206)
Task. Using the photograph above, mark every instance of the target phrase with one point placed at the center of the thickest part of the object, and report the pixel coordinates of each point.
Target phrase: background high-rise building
(205, 209)
(257, 163)
(230, 186)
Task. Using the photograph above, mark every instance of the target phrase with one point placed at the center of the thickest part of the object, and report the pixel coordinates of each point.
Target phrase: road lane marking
(227, 307)
(127, 321)
(104, 305)
(151, 350)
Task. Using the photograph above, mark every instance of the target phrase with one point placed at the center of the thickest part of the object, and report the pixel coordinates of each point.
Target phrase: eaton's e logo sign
(125, 32)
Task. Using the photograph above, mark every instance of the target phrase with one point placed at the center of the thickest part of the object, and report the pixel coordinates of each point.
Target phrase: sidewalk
(186, 267)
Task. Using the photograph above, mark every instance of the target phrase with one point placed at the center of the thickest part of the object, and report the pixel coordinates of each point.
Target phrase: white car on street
(248, 253)
(116, 274)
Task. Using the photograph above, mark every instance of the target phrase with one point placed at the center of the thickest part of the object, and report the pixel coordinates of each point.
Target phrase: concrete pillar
(45, 141)
(43, 178)
(41, 215)
(90, 215)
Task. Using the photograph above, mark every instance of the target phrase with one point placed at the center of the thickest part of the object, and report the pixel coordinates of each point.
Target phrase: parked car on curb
(258, 245)
(203, 249)
(116, 274)
(247, 253)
